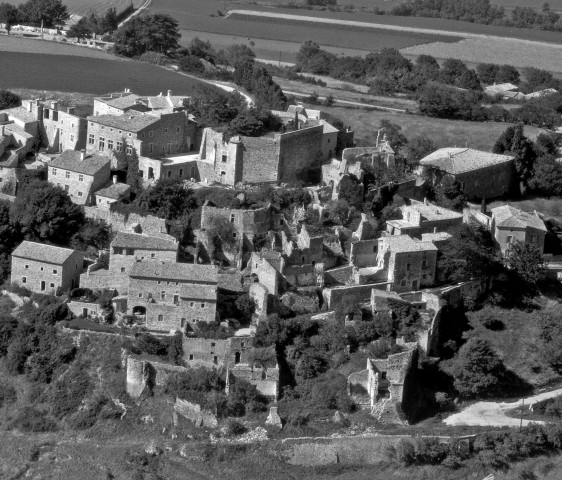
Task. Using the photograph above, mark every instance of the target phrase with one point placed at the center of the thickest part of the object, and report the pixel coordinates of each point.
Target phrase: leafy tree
(9, 99)
(49, 13)
(477, 370)
(200, 49)
(80, 30)
(394, 135)
(239, 53)
(168, 199)
(527, 261)
(350, 190)
(449, 194)
(191, 64)
(143, 33)
(417, 148)
(547, 178)
(109, 22)
(9, 16)
(508, 74)
(246, 305)
(513, 140)
(551, 338)
(45, 213)
(487, 72)
(95, 233)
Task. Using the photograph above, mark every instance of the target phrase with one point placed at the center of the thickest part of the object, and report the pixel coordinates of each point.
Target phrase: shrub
(8, 395)
(155, 58)
(30, 419)
(234, 428)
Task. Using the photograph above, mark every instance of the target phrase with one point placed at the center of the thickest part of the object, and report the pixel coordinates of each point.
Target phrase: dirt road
(493, 414)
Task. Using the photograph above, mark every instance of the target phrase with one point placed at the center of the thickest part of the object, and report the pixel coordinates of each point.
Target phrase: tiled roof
(42, 252)
(198, 292)
(114, 191)
(21, 114)
(165, 102)
(405, 243)
(143, 242)
(509, 217)
(328, 128)
(187, 272)
(132, 121)
(122, 102)
(71, 160)
(436, 237)
(500, 88)
(461, 160)
(433, 212)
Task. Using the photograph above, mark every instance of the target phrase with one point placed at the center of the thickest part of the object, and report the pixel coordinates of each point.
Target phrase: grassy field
(444, 133)
(87, 7)
(88, 75)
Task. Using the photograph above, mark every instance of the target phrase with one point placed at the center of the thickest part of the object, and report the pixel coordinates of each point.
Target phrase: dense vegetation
(482, 11)
(46, 13)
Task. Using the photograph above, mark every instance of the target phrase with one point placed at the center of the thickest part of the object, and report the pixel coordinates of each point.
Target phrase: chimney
(127, 90)
(30, 106)
(54, 105)
(114, 179)
(425, 201)
(1, 131)
(169, 93)
(71, 110)
(82, 155)
(160, 94)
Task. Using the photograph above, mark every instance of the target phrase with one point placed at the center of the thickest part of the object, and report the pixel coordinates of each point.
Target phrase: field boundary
(143, 7)
(377, 26)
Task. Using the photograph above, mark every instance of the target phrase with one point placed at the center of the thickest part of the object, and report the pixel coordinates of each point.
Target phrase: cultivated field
(87, 7)
(88, 75)
(444, 133)
(518, 53)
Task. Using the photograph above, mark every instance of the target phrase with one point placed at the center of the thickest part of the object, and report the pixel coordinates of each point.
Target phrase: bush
(234, 428)
(155, 58)
(30, 419)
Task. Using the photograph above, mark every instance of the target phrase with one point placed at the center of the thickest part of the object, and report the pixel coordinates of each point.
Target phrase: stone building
(481, 174)
(80, 175)
(208, 352)
(423, 217)
(383, 385)
(45, 268)
(120, 102)
(172, 295)
(510, 225)
(63, 129)
(116, 191)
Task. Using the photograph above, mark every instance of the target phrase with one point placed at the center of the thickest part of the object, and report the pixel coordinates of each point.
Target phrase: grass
(69, 73)
(444, 133)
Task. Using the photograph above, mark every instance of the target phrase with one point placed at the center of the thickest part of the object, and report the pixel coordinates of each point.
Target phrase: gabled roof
(131, 121)
(71, 160)
(508, 217)
(21, 113)
(461, 160)
(121, 102)
(162, 102)
(198, 292)
(42, 252)
(432, 212)
(143, 242)
(405, 243)
(185, 272)
(115, 191)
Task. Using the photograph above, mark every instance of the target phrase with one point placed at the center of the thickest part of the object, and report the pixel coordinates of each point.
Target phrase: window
(152, 255)
(408, 267)
(534, 238)
(424, 276)
(224, 158)
(163, 295)
(191, 304)
(509, 238)
(181, 172)
(110, 144)
(213, 344)
(215, 359)
(232, 218)
(80, 178)
(202, 304)
(102, 127)
(191, 356)
(129, 251)
(160, 318)
(169, 173)
(129, 149)
(403, 283)
(72, 138)
(177, 129)
(151, 133)
(424, 264)
(383, 375)
(243, 344)
(80, 194)
(54, 172)
(101, 146)
(129, 134)
(27, 266)
(150, 147)
(140, 294)
(52, 285)
(119, 146)
(183, 322)
(122, 269)
(23, 279)
(176, 299)
(67, 174)
(41, 269)
(55, 271)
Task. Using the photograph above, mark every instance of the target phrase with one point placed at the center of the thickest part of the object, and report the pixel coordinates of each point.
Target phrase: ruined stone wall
(364, 253)
(79, 308)
(338, 276)
(119, 222)
(360, 294)
(194, 412)
(137, 376)
(299, 151)
(215, 353)
(412, 270)
(261, 160)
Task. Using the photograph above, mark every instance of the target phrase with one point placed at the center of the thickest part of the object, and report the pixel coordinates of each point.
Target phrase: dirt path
(493, 414)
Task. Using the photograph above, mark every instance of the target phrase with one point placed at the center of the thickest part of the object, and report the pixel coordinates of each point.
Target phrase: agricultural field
(518, 53)
(444, 133)
(82, 74)
(87, 7)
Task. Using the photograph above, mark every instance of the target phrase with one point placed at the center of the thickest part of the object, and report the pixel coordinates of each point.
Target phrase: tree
(80, 30)
(551, 338)
(513, 140)
(508, 74)
(477, 369)
(487, 72)
(393, 133)
(449, 194)
(157, 33)
(109, 22)
(238, 53)
(45, 213)
(46, 13)
(168, 199)
(417, 148)
(547, 178)
(9, 16)
(527, 261)
(9, 99)
(191, 64)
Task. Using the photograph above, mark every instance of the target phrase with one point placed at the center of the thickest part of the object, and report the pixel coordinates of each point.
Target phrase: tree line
(37, 13)
(481, 11)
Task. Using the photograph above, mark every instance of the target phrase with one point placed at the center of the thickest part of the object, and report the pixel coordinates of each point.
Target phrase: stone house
(116, 191)
(266, 380)
(510, 225)
(172, 295)
(176, 165)
(149, 134)
(423, 217)
(383, 386)
(209, 352)
(80, 175)
(63, 129)
(120, 102)
(45, 268)
(334, 172)
(481, 174)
